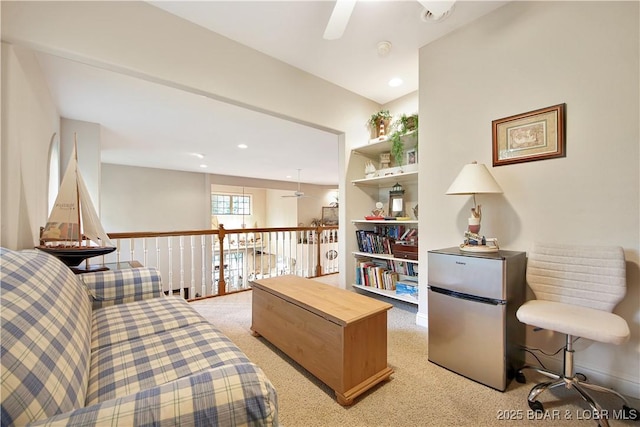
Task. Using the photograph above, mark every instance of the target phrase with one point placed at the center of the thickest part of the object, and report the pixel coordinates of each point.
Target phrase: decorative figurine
(378, 211)
(474, 220)
(369, 169)
(385, 160)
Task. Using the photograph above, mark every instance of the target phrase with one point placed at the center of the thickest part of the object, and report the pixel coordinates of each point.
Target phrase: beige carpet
(419, 393)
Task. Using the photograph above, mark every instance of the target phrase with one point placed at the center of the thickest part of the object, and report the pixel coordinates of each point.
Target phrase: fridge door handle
(467, 297)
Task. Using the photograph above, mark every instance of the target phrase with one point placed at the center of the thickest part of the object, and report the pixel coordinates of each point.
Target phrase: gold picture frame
(526, 137)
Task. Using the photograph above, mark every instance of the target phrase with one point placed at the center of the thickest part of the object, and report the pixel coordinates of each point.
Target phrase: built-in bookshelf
(376, 268)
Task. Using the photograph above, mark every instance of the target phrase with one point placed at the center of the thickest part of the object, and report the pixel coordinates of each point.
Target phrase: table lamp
(473, 179)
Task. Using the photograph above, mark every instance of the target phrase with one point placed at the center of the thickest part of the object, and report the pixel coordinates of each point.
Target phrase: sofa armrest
(121, 286)
(227, 395)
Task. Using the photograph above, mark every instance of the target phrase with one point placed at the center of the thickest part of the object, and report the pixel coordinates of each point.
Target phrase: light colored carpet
(419, 393)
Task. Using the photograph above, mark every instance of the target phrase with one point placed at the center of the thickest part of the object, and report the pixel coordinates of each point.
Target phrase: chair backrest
(589, 276)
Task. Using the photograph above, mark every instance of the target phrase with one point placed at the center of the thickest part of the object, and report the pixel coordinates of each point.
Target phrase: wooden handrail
(145, 234)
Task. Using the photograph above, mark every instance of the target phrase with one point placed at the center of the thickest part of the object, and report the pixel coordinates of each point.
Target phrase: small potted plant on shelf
(402, 126)
(379, 123)
(407, 123)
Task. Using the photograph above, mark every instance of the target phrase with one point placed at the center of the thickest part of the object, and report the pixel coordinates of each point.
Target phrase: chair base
(574, 382)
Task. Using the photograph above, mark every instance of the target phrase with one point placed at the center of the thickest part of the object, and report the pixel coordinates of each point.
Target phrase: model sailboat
(73, 231)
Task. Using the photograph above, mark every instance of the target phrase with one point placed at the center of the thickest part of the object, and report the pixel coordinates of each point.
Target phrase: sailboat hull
(72, 257)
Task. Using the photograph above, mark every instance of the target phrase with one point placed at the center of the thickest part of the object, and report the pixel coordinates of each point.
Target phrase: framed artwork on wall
(329, 215)
(535, 135)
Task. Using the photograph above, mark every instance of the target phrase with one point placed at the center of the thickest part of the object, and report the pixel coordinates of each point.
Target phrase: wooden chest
(337, 335)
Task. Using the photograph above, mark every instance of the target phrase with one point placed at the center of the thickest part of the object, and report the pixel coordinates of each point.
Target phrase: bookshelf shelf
(387, 293)
(388, 257)
(384, 222)
(387, 180)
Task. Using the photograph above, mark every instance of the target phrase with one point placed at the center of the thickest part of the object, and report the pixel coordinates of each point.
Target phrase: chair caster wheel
(536, 406)
(630, 413)
(521, 378)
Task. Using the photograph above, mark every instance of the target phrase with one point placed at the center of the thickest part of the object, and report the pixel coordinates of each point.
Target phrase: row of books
(384, 274)
(404, 268)
(377, 243)
(368, 273)
(373, 243)
(393, 231)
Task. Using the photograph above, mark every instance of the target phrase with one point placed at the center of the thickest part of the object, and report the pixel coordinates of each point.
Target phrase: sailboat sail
(73, 211)
(91, 226)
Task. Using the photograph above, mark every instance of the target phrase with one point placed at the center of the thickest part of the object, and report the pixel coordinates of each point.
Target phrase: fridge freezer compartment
(468, 337)
(468, 275)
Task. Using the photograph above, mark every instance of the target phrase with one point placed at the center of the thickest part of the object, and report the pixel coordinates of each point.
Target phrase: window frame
(235, 202)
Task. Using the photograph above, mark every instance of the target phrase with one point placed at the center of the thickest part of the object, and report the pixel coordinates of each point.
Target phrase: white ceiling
(151, 125)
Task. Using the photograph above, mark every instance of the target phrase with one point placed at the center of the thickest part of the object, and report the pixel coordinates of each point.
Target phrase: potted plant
(408, 123)
(403, 125)
(397, 148)
(382, 117)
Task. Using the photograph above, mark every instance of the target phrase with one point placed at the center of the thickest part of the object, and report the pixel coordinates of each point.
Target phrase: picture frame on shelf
(329, 215)
(530, 136)
(412, 157)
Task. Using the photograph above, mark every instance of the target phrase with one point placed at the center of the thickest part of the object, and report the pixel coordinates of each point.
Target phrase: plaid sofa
(108, 348)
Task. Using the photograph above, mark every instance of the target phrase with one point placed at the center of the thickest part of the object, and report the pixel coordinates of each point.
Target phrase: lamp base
(478, 248)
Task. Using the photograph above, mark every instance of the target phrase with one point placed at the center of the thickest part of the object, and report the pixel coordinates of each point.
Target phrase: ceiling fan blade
(339, 19)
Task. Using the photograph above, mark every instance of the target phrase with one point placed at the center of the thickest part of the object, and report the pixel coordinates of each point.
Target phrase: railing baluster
(170, 248)
(203, 250)
(158, 253)
(181, 243)
(145, 251)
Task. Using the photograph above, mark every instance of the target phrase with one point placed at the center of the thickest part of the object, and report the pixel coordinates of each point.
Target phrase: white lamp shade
(474, 178)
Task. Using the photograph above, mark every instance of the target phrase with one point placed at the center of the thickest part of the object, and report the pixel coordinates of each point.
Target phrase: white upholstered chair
(576, 289)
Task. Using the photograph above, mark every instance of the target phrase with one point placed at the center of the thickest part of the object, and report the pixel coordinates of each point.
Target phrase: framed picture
(329, 215)
(536, 135)
(412, 158)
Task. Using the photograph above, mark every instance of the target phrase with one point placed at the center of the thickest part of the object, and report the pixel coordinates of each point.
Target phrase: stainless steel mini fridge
(472, 300)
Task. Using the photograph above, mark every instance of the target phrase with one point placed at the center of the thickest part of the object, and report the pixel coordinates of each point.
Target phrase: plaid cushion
(124, 322)
(229, 395)
(46, 331)
(131, 366)
(120, 286)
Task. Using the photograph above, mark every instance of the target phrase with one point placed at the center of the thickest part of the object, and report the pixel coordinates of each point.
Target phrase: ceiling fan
(298, 193)
(434, 11)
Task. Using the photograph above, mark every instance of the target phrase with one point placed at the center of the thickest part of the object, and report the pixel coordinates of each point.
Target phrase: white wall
(147, 199)
(525, 56)
(29, 121)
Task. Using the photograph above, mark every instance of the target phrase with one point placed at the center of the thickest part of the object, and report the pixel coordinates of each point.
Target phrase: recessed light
(395, 82)
(288, 176)
(243, 146)
(198, 155)
(204, 166)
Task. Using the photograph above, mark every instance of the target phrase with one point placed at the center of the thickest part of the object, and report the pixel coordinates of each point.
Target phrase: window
(230, 204)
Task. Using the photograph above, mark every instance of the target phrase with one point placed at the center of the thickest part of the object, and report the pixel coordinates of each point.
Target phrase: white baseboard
(422, 320)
